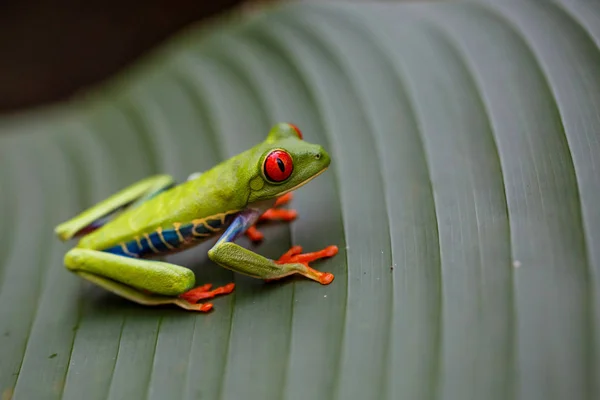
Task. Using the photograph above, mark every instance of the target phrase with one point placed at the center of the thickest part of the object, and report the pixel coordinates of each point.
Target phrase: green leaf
(463, 195)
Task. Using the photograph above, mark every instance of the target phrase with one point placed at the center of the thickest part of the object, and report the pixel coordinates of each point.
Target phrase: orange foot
(204, 292)
(273, 214)
(294, 255)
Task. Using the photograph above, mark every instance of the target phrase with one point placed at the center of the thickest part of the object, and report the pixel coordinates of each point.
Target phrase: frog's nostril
(318, 156)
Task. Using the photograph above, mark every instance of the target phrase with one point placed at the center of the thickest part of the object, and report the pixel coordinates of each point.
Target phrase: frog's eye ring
(278, 166)
(298, 132)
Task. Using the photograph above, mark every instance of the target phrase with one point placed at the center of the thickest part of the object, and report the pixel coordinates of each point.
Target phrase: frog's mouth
(304, 182)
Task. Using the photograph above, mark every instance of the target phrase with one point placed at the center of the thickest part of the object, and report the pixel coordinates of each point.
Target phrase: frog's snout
(322, 157)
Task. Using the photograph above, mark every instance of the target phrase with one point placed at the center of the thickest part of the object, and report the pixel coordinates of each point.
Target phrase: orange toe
(291, 256)
(273, 214)
(204, 288)
(295, 250)
(286, 198)
(199, 293)
(254, 234)
(326, 278)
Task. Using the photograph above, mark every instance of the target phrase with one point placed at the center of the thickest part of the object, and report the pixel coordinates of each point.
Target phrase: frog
(123, 241)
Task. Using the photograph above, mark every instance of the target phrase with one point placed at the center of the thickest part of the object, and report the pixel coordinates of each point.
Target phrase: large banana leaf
(464, 196)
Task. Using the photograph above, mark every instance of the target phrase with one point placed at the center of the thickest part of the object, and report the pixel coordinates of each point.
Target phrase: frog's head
(284, 162)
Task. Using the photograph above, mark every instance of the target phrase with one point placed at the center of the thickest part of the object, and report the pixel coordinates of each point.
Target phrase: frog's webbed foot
(273, 214)
(204, 292)
(295, 256)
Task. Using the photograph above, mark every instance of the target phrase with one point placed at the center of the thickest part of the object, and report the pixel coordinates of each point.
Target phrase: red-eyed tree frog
(123, 238)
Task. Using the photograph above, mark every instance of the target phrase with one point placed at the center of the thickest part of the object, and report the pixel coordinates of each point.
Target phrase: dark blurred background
(50, 49)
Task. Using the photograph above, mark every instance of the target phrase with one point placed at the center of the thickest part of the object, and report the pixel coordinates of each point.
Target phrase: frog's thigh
(107, 270)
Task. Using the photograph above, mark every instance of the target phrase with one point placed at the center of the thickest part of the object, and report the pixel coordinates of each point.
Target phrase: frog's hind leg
(96, 216)
(273, 214)
(145, 282)
(232, 256)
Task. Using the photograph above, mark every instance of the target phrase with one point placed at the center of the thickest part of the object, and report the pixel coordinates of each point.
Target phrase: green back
(231, 185)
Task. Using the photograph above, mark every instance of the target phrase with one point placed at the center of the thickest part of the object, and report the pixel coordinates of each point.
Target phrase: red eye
(278, 166)
(297, 131)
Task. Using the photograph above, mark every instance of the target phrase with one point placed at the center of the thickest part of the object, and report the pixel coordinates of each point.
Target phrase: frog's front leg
(273, 214)
(145, 282)
(234, 257)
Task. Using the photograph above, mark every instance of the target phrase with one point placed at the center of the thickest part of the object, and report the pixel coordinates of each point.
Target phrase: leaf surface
(463, 195)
